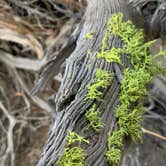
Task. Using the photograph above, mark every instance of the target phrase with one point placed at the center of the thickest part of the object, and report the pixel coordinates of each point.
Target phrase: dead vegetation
(31, 32)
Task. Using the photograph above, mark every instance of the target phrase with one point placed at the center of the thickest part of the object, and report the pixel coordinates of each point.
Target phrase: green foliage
(94, 119)
(89, 35)
(102, 80)
(114, 156)
(130, 123)
(73, 156)
(116, 138)
(134, 82)
(112, 55)
(74, 137)
(133, 85)
(133, 90)
(134, 45)
(115, 143)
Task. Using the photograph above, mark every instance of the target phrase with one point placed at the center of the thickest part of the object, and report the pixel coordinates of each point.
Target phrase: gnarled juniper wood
(70, 99)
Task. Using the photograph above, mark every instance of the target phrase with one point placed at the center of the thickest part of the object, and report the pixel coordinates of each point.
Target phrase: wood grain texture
(70, 100)
(70, 103)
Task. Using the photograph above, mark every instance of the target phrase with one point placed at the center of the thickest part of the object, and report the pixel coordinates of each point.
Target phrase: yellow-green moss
(89, 35)
(101, 81)
(73, 156)
(112, 55)
(74, 137)
(95, 121)
(133, 90)
(134, 82)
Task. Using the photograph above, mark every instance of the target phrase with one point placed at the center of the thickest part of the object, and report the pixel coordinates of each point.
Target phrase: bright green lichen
(102, 80)
(134, 45)
(129, 112)
(112, 55)
(115, 143)
(74, 137)
(89, 35)
(133, 85)
(73, 156)
(114, 156)
(133, 90)
(94, 119)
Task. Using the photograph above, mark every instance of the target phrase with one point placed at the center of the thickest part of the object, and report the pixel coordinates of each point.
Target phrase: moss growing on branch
(101, 81)
(134, 82)
(74, 137)
(94, 119)
(112, 55)
(73, 156)
(89, 35)
(133, 90)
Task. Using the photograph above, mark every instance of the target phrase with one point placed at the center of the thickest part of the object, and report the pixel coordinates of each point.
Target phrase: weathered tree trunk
(70, 99)
(70, 103)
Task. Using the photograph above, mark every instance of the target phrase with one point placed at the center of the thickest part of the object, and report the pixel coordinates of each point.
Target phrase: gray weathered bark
(70, 103)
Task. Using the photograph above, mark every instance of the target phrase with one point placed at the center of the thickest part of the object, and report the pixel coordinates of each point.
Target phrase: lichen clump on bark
(101, 81)
(95, 121)
(73, 155)
(133, 90)
(134, 83)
